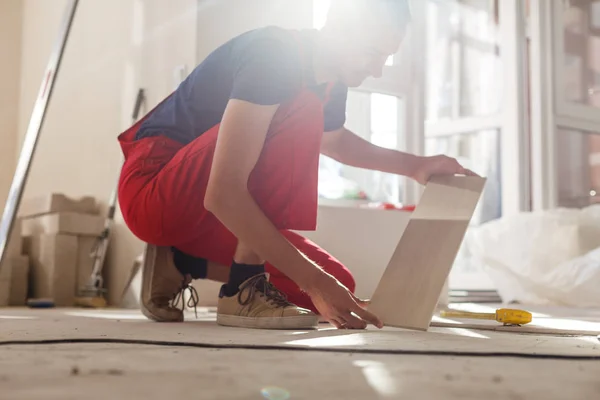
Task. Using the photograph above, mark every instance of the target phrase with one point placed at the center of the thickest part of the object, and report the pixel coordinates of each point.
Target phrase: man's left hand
(426, 167)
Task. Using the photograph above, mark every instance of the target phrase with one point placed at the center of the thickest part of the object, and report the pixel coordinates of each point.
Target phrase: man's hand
(337, 304)
(426, 167)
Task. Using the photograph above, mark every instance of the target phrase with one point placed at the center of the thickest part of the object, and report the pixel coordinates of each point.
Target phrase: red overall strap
(129, 134)
(304, 59)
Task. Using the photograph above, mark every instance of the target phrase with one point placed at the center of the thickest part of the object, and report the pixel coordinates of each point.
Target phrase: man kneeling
(220, 172)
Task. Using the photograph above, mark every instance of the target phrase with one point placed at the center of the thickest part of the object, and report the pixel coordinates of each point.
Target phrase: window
(463, 60)
(581, 26)
(578, 150)
(377, 118)
(464, 96)
(578, 168)
(480, 152)
(567, 166)
(463, 106)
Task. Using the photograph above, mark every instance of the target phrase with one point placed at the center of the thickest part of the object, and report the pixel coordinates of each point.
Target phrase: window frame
(550, 110)
(579, 114)
(407, 78)
(511, 121)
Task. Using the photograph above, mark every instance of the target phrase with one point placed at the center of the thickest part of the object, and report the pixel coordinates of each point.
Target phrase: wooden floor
(367, 364)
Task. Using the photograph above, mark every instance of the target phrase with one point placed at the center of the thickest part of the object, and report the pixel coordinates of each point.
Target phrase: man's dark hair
(398, 11)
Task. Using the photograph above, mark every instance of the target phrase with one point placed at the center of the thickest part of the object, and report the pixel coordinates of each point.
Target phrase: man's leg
(164, 205)
(320, 257)
(221, 273)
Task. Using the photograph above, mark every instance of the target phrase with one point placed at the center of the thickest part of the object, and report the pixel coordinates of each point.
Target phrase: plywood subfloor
(76, 324)
(131, 372)
(110, 370)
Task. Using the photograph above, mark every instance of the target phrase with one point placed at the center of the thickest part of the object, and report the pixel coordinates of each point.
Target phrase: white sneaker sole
(299, 322)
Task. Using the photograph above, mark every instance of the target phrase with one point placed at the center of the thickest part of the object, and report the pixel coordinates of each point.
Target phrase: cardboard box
(4, 292)
(53, 263)
(68, 223)
(19, 281)
(15, 241)
(56, 203)
(5, 274)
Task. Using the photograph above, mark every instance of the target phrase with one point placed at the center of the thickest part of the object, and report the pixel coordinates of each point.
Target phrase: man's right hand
(339, 306)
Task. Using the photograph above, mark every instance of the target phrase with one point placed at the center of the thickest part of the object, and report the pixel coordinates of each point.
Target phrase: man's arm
(239, 144)
(348, 148)
(240, 141)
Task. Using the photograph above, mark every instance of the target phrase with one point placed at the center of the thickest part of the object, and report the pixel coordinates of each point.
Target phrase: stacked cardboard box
(59, 237)
(5, 276)
(14, 270)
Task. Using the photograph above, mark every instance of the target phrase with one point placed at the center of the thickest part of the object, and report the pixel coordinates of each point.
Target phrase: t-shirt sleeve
(335, 109)
(268, 72)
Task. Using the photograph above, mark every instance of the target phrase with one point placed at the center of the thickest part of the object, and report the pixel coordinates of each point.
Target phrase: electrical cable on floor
(299, 349)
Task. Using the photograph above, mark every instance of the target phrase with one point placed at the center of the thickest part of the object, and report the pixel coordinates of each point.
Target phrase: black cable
(301, 349)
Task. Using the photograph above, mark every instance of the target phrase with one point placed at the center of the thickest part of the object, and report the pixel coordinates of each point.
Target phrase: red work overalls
(163, 183)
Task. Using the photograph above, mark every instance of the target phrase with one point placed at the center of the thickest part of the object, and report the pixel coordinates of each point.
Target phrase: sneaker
(261, 305)
(163, 286)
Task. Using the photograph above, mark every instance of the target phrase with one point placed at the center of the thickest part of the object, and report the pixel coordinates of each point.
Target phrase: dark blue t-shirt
(265, 66)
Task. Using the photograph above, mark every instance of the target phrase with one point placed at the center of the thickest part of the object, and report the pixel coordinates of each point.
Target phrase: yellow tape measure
(505, 316)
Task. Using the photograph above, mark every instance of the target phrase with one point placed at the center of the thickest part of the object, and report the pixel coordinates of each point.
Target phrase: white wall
(219, 21)
(115, 47)
(78, 153)
(86, 110)
(169, 42)
(10, 70)
(364, 240)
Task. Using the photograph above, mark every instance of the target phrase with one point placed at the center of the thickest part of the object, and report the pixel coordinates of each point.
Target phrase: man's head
(362, 34)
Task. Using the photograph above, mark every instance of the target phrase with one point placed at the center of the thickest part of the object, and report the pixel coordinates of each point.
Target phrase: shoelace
(261, 284)
(192, 301)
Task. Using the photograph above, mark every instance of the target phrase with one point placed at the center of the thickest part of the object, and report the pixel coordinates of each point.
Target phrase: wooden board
(407, 294)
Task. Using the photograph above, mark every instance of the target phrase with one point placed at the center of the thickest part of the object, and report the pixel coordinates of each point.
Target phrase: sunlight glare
(355, 339)
(105, 315)
(468, 333)
(378, 377)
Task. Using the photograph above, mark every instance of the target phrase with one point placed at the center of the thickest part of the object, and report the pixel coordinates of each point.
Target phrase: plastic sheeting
(547, 258)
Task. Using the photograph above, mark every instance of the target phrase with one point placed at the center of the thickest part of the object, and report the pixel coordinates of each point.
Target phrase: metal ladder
(32, 135)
